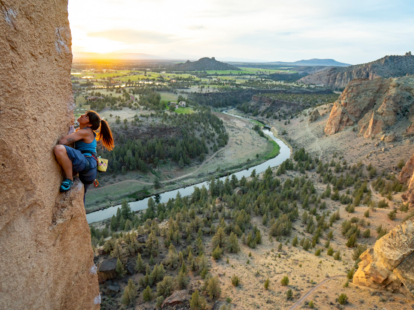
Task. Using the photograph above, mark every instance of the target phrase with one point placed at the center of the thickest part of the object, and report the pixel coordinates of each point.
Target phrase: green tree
(130, 291)
(219, 238)
(217, 252)
(197, 302)
(213, 287)
(289, 294)
(120, 270)
(182, 281)
(139, 265)
(285, 281)
(266, 284)
(235, 280)
(233, 244)
(147, 294)
(343, 299)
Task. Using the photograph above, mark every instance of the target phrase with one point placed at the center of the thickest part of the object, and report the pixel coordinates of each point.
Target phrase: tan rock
(390, 263)
(374, 105)
(390, 138)
(314, 115)
(46, 259)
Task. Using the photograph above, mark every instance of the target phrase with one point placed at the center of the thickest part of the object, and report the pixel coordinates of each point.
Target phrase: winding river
(284, 153)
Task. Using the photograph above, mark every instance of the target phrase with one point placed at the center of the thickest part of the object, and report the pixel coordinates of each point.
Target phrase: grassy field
(257, 123)
(167, 96)
(184, 110)
(104, 75)
(274, 151)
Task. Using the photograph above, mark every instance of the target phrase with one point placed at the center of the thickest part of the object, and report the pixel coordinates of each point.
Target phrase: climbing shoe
(66, 185)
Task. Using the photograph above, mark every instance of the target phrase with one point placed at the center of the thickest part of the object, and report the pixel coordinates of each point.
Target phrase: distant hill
(386, 67)
(203, 64)
(313, 62)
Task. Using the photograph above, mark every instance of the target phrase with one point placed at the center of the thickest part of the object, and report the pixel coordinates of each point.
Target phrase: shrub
(266, 284)
(139, 265)
(159, 301)
(182, 281)
(311, 304)
(130, 291)
(235, 280)
(337, 255)
(342, 299)
(401, 164)
(147, 294)
(217, 253)
(233, 243)
(285, 281)
(295, 241)
(165, 287)
(289, 294)
(120, 270)
(197, 302)
(366, 213)
(330, 251)
(318, 252)
(392, 215)
(213, 287)
(366, 233)
(350, 274)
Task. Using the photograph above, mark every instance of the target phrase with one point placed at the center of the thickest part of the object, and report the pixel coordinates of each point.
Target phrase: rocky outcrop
(407, 177)
(314, 115)
(204, 64)
(177, 298)
(386, 67)
(46, 256)
(375, 105)
(390, 264)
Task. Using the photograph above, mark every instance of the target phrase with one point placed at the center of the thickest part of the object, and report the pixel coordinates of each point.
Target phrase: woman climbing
(82, 159)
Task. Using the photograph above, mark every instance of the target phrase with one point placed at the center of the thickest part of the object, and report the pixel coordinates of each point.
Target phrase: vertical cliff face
(375, 105)
(45, 253)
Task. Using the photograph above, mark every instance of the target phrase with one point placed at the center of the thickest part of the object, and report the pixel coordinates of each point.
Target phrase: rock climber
(82, 158)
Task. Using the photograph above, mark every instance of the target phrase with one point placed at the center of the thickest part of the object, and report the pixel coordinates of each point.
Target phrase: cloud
(132, 36)
(196, 27)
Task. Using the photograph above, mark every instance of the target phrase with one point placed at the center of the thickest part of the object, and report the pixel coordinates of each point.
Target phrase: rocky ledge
(375, 106)
(390, 264)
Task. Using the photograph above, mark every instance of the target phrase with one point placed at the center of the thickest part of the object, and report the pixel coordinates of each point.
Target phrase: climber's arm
(73, 137)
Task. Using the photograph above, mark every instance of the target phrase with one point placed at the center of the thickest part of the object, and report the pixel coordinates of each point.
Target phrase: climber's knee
(59, 150)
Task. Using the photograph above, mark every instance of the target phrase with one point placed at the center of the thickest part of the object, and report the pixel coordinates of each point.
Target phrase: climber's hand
(71, 129)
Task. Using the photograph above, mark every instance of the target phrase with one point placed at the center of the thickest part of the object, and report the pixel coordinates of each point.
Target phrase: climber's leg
(64, 160)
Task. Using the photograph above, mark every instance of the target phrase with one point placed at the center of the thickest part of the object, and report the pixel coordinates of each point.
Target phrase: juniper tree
(130, 291)
(120, 270)
(233, 244)
(147, 294)
(139, 265)
(197, 302)
(213, 287)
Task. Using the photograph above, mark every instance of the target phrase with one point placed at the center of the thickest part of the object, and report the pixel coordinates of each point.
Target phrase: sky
(261, 30)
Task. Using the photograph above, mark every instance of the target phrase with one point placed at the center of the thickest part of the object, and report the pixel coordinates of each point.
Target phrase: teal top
(86, 147)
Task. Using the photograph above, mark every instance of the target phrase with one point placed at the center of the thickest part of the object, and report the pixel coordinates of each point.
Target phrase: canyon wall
(386, 67)
(389, 265)
(46, 259)
(376, 106)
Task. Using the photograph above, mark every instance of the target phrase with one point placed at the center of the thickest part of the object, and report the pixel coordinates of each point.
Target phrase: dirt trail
(302, 299)
(171, 180)
(315, 137)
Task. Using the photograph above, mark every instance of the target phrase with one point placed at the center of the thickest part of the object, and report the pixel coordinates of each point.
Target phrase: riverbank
(244, 150)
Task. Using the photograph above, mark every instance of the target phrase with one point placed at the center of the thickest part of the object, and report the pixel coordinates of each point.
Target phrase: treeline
(197, 133)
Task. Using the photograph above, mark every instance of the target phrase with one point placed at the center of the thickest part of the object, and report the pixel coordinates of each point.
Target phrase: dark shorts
(79, 163)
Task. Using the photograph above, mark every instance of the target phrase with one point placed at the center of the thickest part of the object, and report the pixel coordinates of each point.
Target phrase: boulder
(389, 265)
(46, 259)
(390, 138)
(114, 288)
(177, 298)
(107, 270)
(142, 239)
(375, 105)
(314, 115)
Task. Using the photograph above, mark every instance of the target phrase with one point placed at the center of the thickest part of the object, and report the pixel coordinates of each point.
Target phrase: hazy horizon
(351, 32)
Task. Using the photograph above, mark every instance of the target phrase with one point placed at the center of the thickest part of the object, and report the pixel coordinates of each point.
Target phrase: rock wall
(46, 256)
(407, 177)
(386, 67)
(376, 106)
(390, 264)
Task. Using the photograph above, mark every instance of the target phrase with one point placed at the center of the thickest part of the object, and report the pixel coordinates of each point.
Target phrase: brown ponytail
(105, 133)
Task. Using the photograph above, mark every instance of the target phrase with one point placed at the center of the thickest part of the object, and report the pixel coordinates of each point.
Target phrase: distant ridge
(386, 67)
(313, 62)
(120, 56)
(203, 64)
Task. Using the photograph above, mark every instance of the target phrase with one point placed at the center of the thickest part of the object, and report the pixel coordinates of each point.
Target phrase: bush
(217, 253)
(392, 215)
(139, 265)
(235, 280)
(318, 252)
(120, 270)
(213, 287)
(366, 233)
(285, 281)
(166, 287)
(130, 291)
(182, 281)
(197, 302)
(266, 284)
(350, 274)
(233, 243)
(289, 294)
(311, 304)
(337, 255)
(343, 299)
(366, 213)
(159, 301)
(330, 251)
(147, 294)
